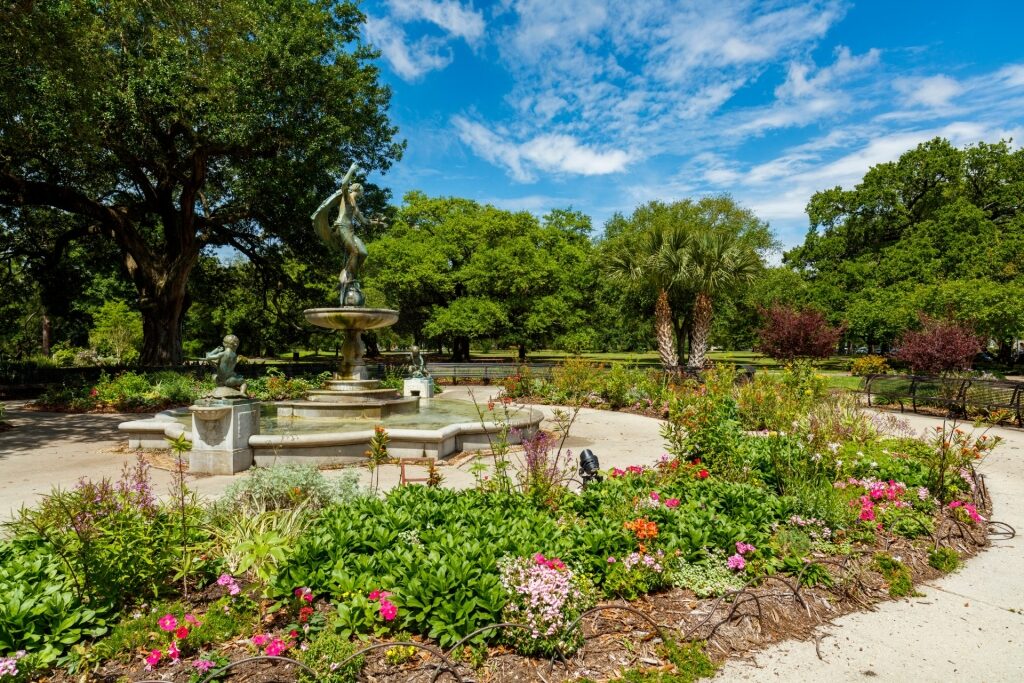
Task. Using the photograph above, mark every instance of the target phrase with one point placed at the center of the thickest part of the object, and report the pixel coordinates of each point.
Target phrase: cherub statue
(417, 364)
(224, 359)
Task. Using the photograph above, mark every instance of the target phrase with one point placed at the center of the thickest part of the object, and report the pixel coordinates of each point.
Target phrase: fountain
(333, 425)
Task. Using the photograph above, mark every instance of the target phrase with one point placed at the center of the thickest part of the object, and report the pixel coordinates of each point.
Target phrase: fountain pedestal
(351, 321)
(220, 435)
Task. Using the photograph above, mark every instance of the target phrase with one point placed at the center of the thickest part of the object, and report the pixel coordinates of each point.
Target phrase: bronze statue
(417, 364)
(224, 359)
(341, 236)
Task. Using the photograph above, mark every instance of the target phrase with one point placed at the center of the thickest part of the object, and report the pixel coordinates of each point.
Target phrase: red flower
(304, 614)
(703, 474)
(181, 633)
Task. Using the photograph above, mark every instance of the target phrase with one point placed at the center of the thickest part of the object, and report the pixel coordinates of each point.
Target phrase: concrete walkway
(968, 626)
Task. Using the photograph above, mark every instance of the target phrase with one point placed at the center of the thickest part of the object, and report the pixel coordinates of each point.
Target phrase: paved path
(968, 626)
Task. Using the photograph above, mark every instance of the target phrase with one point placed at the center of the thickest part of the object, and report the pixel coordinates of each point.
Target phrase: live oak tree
(460, 271)
(940, 230)
(170, 127)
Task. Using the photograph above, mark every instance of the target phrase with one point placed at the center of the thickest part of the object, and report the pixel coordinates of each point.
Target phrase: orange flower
(642, 528)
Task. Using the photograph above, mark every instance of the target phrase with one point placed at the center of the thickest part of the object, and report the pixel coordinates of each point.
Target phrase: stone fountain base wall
(339, 448)
(351, 447)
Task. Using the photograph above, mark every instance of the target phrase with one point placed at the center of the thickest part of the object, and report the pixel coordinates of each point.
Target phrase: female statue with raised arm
(341, 235)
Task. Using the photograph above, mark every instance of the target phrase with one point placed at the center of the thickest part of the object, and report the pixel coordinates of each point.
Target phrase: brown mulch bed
(624, 635)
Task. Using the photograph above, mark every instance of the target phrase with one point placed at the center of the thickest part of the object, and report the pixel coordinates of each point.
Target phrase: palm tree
(654, 257)
(715, 262)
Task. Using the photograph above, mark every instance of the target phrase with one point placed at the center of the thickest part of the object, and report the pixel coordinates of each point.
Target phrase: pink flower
(233, 589)
(173, 652)
(377, 595)
(388, 610)
(276, 647)
(225, 580)
(634, 469)
(611, 560)
(203, 665)
(167, 623)
(260, 639)
(153, 659)
(655, 497)
(616, 472)
(672, 503)
(744, 548)
(736, 563)
(191, 618)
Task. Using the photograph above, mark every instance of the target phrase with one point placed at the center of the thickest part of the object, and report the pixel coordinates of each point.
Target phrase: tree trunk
(162, 313)
(47, 331)
(522, 353)
(665, 333)
(460, 350)
(701, 331)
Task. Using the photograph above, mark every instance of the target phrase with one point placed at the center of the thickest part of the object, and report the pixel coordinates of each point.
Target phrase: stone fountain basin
(341, 447)
(351, 318)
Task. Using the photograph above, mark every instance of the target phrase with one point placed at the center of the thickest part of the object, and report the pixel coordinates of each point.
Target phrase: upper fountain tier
(351, 318)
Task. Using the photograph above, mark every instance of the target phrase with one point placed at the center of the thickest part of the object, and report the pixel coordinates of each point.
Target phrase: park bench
(485, 372)
(960, 397)
(990, 395)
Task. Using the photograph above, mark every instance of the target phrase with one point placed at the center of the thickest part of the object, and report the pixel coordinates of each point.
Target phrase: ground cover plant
(104, 579)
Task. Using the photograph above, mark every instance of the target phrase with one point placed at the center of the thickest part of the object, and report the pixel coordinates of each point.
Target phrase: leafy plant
(944, 559)
(326, 655)
(896, 575)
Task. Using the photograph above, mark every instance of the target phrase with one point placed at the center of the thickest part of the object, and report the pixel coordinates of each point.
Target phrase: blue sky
(541, 104)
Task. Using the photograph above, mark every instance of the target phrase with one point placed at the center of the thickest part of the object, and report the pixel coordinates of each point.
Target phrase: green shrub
(690, 661)
(274, 386)
(281, 487)
(869, 365)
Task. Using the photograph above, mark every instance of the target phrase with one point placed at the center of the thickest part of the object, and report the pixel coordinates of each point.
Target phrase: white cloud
(453, 17)
(550, 152)
(410, 60)
(935, 91)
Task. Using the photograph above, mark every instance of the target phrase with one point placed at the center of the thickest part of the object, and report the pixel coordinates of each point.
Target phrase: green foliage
(325, 654)
(282, 487)
(41, 609)
(896, 574)
(708, 578)
(116, 332)
(934, 231)
(944, 559)
(128, 391)
(275, 386)
(223, 620)
(230, 109)
(869, 365)
(462, 271)
(690, 662)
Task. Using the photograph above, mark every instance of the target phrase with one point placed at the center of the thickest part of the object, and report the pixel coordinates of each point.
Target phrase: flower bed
(731, 538)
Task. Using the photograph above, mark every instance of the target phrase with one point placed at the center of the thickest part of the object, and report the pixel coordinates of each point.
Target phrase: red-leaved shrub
(788, 333)
(939, 346)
